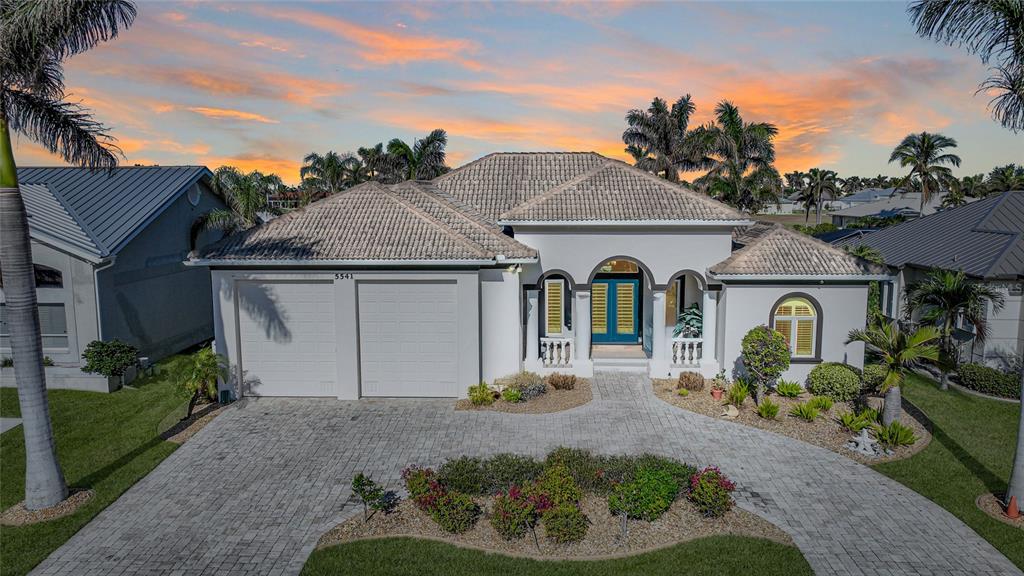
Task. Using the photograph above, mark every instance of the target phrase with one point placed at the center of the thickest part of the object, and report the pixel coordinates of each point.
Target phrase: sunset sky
(259, 85)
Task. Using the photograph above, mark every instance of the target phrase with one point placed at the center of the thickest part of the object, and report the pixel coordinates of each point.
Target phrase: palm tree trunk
(44, 481)
(817, 219)
(891, 408)
(1016, 487)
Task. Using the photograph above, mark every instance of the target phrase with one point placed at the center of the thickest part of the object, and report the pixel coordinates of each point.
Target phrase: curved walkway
(252, 492)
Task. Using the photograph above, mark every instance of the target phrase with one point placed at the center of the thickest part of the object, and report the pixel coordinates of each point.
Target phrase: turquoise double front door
(614, 314)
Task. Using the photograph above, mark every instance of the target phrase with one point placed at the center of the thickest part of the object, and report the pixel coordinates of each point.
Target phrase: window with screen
(797, 320)
(53, 325)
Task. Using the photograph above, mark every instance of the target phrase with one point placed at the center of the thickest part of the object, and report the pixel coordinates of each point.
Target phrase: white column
(581, 325)
(709, 333)
(659, 342)
(532, 327)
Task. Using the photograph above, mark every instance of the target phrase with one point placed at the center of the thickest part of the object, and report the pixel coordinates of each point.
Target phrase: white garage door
(287, 335)
(408, 339)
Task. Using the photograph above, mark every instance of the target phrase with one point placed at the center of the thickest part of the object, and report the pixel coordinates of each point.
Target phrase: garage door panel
(288, 338)
(408, 339)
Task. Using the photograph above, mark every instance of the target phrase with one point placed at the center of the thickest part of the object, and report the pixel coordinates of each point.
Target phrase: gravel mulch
(18, 515)
(552, 401)
(825, 431)
(993, 506)
(603, 540)
(185, 429)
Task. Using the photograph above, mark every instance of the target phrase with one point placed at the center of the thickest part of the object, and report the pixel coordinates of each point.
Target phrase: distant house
(108, 251)
(984, 239)
(886, 204)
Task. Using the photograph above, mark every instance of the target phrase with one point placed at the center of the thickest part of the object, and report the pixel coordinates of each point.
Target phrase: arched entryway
(620, 309)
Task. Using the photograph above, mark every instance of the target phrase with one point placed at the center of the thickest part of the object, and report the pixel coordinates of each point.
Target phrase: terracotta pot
(717, 393)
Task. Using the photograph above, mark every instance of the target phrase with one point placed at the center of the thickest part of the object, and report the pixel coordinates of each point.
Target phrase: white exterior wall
(500, 323)
(226, 307)
(1005, 327)
(843, 308)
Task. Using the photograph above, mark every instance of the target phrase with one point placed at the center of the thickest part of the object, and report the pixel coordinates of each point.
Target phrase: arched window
(45, 277)
(797, 319)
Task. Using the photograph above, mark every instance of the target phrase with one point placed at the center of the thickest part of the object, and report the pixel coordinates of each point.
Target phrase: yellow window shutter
(624, 313)
(804, 338)
(599, 308)
(553, 315)
(786, 328)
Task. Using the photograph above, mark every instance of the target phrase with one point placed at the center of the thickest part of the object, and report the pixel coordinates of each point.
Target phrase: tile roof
(110, 207)
(886, 206)
(49, 220)
(780, 251)
(406, 221)
(985, 239)
(617, 191)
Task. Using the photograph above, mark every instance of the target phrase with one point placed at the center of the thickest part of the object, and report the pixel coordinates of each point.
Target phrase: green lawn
(971, 454)
(105, 442)
(719, 555)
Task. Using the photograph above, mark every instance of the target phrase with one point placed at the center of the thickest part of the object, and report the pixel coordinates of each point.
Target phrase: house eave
(394, 263)
(805, 277)
(66, 247)
(627, 223)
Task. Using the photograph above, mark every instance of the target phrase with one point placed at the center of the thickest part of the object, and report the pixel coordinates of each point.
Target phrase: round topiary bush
(873, 375)
(837, 381)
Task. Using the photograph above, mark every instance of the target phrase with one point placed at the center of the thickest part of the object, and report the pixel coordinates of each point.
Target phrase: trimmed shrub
(894, 435)
(560, 381)
(680, 473)
(765, 356)
(455, 512)
(837, 381)
(481, 395)
(109, 358)
(683, 392)
(503, 471)
(512, 395)
(646, 497)
(558, 485)
(565, 523)
(691, 381)
(513, 513)
(805, 411)
(597, 473)
(872, 376)
(853, 422)
(464, 474)
(418, 483)
(737, 393)
(768, 409)
(823, 403)
(529, 383)
(710, 492)
(988, 380)
(788, 389)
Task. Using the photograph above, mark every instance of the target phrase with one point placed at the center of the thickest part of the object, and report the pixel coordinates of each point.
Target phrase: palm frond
(64, 128)
(63, 28)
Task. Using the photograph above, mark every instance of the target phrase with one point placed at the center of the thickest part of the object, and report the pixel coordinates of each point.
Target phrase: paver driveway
(252, 492)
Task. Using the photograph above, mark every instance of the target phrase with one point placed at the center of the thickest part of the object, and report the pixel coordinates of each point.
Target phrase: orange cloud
(267, 85)
(892, 127)
(586, 97)
(286, 168)
(227, 113)
(132, 146)
(379, 46)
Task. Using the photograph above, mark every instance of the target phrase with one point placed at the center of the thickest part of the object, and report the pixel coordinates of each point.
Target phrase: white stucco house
(568, 262)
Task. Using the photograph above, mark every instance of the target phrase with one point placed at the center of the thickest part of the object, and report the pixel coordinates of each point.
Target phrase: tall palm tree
(899, 353)
(925, 155)
(37, 37)
(374, 159)
(944, 297)
(247, 197)
(656, 137)
(1005, 178)
(328, 174)
(991, 29)
(970, 186)
(819, 183)
(880, 181)
(423, 160)
(851, 185)
(739, 157)
(1016, 485)
(795, 181)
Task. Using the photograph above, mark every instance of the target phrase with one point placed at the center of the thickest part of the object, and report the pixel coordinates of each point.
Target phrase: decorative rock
(864, 444)
(730, 412)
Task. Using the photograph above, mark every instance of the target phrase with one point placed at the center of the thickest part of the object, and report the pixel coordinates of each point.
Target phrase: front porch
(621, 317)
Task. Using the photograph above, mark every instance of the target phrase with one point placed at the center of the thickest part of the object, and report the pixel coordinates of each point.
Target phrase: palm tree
(37, 37)
(969, 186)
(247, 197)
(656, 137)
(851, 185)
(880, 181)
(992, 29)
(739, 157)
(924, 154)
(795, 181)
(1004, 179)
(1016, 486)
(197, 376)
(819, 183)
(424, 160)
(898, 353)
(374, 159)
(944, 297)
(327, 174)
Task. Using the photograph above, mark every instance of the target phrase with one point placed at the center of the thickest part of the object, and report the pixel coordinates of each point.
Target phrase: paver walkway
(252, 492)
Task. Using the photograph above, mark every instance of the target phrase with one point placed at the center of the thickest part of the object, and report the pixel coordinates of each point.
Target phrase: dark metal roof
(985, 239)
(50, 221)
(110, 207)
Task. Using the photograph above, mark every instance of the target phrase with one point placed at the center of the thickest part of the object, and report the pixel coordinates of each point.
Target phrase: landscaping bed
(533, 394)
(825, 431)
(571, 505)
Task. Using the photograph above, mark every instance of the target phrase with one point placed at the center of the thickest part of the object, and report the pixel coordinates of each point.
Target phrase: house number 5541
(343, 276)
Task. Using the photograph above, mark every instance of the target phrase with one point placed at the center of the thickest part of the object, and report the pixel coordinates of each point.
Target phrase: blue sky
(259, 85)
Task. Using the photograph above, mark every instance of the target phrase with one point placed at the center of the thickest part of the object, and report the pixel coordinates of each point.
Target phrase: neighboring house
(108, 249)
(984, 239)
(567, 262)
(785, 205)
(907, 205)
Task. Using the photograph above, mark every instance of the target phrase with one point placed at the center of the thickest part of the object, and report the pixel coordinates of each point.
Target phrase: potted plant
(718, 385)
(689, 323)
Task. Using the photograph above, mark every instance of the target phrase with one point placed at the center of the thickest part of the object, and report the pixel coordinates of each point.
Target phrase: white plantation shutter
(796, 319)
(553, 302)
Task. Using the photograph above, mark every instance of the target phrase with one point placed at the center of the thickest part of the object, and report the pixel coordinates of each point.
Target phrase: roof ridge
(678, 187)
(454, 171)
(419, 213)
(551, 192)
(808, 239)
(103, 248)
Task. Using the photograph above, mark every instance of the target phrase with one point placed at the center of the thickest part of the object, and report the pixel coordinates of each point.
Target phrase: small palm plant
(198, 376)
(899, 352)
